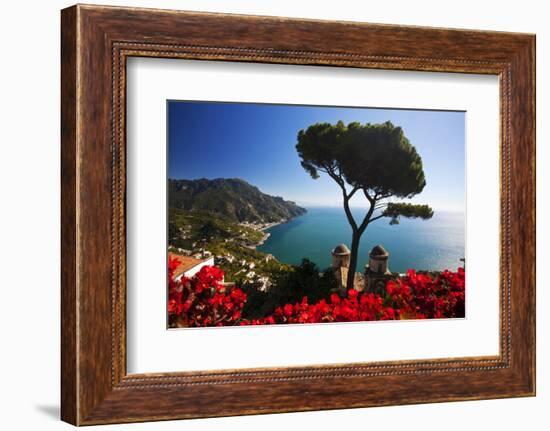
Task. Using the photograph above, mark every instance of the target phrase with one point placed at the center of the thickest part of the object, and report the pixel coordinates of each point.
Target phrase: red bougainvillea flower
(204, 300)
(288, 310)
(352, 293)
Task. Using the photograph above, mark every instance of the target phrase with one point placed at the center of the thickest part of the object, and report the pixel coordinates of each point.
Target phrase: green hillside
(231, 198)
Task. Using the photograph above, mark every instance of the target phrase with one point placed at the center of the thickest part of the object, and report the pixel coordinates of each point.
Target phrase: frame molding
(95, 42)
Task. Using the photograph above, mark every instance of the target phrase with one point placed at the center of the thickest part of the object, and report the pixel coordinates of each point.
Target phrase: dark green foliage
(258, 303)
(175, 237)
(212, 229)
(231, 198)
(173, 232)
(320, 146)
(289, 288)
(304, 280)
(377, 158)
(396, 210)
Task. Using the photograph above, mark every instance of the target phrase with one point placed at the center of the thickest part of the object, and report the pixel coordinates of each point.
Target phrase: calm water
(434, 244)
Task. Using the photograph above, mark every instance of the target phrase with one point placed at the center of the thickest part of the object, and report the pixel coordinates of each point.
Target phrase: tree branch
(368, 196)
(367, 218)
(353, 192)
(336, 177)
(347, 210)
(377, 217)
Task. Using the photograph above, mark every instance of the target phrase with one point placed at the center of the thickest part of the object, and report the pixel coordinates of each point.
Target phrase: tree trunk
(353, 257)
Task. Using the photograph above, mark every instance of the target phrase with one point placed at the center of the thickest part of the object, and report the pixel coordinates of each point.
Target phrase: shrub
(289, 286)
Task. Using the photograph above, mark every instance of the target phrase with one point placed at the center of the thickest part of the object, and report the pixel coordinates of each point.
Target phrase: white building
(189, 266)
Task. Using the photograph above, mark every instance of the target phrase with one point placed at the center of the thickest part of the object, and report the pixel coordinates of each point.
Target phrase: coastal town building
(188, 265)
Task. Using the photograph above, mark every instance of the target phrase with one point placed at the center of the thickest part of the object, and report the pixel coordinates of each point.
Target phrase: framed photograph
(322, 214)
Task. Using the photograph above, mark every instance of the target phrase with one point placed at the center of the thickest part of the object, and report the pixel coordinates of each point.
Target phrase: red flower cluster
(419, 296)
(204, 301)
(355, 307)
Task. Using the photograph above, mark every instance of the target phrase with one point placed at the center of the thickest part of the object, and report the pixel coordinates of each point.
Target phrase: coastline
(266, 234)
(263, 240)
(263, 228)
(270, 225)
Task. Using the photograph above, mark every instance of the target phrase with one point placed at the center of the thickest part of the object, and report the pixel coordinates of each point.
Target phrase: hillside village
(209, 239)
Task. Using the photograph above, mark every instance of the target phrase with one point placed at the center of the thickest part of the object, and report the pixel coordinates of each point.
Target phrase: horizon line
(298, 201)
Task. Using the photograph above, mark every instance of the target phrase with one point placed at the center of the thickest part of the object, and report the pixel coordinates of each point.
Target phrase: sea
(431, 245)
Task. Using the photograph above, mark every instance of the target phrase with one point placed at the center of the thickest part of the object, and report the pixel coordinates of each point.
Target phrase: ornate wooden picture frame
(96, 41)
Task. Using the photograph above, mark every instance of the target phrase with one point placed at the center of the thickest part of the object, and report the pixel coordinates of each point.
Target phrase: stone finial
(340, 256)
(377, 271)
(378, 260)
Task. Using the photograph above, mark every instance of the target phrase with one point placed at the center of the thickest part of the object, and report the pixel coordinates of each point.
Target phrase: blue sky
(256, 142)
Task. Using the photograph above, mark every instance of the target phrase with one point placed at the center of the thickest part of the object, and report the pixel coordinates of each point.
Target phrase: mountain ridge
(233, 198)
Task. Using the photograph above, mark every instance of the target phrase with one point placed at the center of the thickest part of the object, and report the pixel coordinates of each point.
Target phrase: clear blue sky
(256, 142)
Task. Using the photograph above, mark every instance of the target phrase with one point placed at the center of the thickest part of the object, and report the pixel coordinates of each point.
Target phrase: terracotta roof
(186, 263)
(341, 249)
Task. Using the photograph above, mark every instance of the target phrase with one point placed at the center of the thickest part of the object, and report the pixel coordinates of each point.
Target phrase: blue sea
(435, 244)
